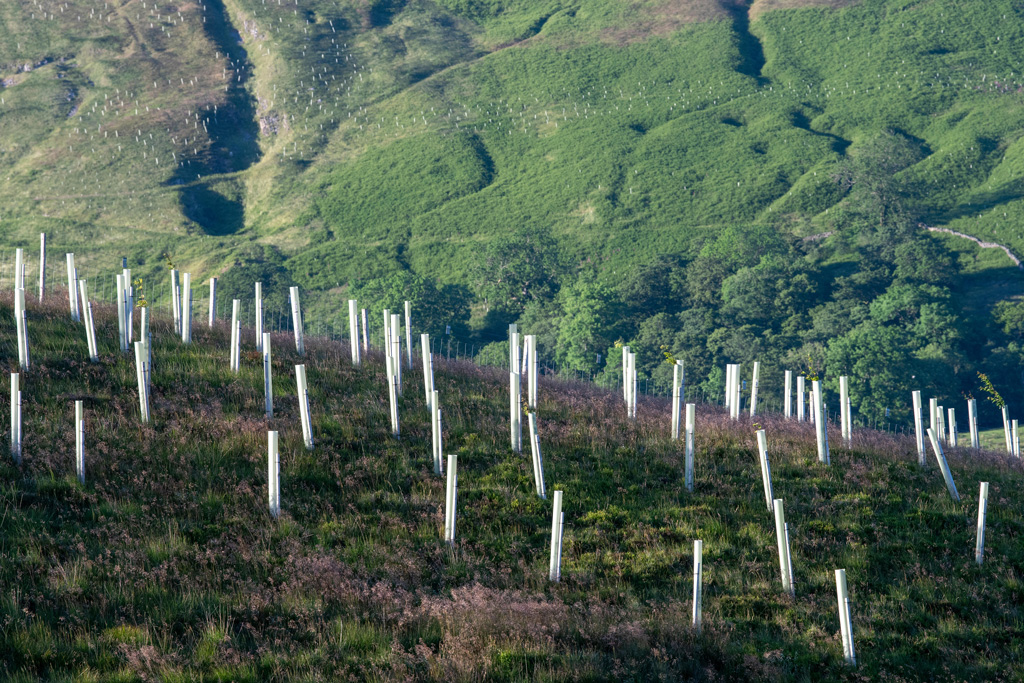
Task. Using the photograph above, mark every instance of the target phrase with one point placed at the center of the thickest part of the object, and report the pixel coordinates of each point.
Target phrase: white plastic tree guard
(396, 349)
(625, 376)
(940, 423)
(1006, 429)
(782, 538)
(392, 395)
(691, 422)
(122, 309)
(147, 340)
(538, 460)
(80, 441)
(428, 369)
(19, 269)
(933, 421)
(273, 474)
(922, 456)
(408, 335)
(436, 428)
(531, 371)
(766, 472)
(42, 266)
(698, 581)
(557, 527)
(845, 618)
(300, 345)
(633, 386)
(787, 395)
(943, 465)
(972, 422)
(801, 399)
(268, 381)
(16, 417)
(820, 423)
(754, 378)
(728, 387)
(979, 544)
(141, 372)
(677, 398)
(129, 307)
(951, 432)
(366, 332)
(213, 302)
(186, 309)
(236, 333)
(303, 396)
(175, 301)
(21, 323)
(451, 498)
(90, 328)
(353, 331)
(845, 417)
(515, 395)
(1015, 438)
(258, 306)
(72, 291)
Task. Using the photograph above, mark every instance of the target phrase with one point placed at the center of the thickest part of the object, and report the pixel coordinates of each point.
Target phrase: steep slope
(166, 565)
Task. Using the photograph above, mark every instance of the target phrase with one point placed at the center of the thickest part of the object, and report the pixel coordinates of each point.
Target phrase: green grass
(430, 129)
(165, 564)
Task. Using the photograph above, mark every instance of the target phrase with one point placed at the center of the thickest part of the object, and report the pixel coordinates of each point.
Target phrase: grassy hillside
(734, 181)
(166, 566)
(336, 129)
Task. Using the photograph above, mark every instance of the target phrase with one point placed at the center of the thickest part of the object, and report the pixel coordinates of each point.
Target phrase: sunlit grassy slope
(165, 564)
(363, 137)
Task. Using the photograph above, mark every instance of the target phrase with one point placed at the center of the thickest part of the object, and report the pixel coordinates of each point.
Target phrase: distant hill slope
(165, 565)
(334, 128)
(327, 143)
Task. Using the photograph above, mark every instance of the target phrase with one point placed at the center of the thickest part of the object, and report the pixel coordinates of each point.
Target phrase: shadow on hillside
(800, 120)
(233, 133)
(213, 211)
